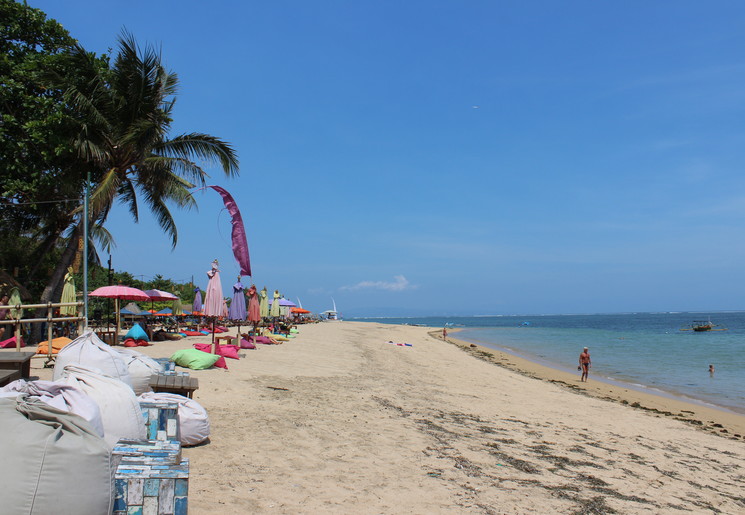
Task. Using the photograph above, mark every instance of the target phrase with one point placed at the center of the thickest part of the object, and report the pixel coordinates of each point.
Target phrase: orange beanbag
(57, 345)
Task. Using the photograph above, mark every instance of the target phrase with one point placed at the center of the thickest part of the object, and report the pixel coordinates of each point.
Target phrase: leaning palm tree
(125, 114)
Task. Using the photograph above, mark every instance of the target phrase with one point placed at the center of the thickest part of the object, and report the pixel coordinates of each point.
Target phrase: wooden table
(228, 339)
(8, 376)
(20, 361)
(168, 383)
(107, 337)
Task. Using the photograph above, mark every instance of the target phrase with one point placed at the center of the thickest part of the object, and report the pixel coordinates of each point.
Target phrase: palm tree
(125, 114)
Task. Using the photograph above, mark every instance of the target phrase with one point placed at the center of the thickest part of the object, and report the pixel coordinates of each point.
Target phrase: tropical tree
(124, 115)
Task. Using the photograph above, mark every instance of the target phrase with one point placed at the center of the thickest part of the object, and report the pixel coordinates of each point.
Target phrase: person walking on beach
(585, 363)
(444, 333)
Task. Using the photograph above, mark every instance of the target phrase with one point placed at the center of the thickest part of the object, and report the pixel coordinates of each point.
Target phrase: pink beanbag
(220, 363)
(227, 351)
(11, 342)
(263, 339)
(245, 344)
(192, 333)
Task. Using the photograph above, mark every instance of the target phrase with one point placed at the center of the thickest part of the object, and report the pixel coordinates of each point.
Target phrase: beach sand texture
(339, 421)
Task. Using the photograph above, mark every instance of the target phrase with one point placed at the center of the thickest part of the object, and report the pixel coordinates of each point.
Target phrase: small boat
(701, 326)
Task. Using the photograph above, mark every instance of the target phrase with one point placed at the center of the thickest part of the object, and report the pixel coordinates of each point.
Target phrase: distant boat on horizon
(702, 326)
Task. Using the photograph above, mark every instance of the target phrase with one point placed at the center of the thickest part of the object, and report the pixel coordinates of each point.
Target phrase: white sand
(339, 421)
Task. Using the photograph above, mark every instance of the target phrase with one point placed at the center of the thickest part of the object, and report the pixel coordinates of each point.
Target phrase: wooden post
(49, 332)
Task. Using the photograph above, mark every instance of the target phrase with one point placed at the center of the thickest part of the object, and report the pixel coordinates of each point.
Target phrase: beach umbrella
(263, 303)
(118, 293)
(224, 311)
(178, 310)
(197, 305)
(300, 311)
(274, 310)
(237, 309)
(68, 295)
(213, 299)
(15, 300)
(159, 295)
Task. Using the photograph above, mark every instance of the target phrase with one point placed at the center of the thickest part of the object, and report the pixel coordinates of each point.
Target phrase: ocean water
(644, 350)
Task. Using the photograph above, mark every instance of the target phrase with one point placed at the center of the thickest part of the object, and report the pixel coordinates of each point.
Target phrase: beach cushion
(192, 333)
(140, 367)
(245, 344)
(221, 363)
(137, 333)
(53, 461)
(10, 342)
(228, 351)
(120, 412)
(61, 396)
(57, 345)
(194, 424)
(194, 359)
(263, 339)
(89, 351)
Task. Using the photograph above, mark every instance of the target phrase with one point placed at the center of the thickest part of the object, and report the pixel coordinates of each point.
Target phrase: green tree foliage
(41, 176)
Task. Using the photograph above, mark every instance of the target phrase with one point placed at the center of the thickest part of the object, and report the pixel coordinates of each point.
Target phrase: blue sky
(481, 157)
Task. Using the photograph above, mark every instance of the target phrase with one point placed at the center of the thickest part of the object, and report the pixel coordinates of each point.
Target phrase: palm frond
(202, 146)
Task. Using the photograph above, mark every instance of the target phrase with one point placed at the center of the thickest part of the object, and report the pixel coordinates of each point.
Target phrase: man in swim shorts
(585, 363)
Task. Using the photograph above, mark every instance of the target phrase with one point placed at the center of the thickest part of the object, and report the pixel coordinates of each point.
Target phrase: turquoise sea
(644, 350)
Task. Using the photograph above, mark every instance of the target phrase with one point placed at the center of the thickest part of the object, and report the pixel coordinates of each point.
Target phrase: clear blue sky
(450, 157)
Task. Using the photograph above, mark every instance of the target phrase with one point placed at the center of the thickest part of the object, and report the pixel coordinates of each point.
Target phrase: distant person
(711, 370)
(3, 311)
(585, 363)
(444, 333)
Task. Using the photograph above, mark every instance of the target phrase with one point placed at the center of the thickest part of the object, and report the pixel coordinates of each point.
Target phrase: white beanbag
(90, 352)
(194, 423)
(64, 397)
(140, 367)
(120, 410)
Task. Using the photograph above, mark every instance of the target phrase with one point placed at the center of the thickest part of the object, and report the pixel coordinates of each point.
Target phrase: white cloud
(400, 283)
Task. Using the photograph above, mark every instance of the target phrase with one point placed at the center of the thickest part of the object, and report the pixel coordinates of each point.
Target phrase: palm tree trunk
(53, 289)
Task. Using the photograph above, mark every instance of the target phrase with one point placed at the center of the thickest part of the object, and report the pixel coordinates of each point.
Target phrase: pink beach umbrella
(118, 293)
(159, 295)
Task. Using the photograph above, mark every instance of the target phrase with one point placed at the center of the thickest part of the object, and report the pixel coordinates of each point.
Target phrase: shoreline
(719, 420)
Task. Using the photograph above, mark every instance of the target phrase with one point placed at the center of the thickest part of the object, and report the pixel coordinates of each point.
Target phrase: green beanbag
(194, 359)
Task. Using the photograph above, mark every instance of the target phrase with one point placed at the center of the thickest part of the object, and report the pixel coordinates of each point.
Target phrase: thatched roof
(7, 282)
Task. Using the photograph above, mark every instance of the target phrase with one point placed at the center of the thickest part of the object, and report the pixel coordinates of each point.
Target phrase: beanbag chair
(64, 397)
(263, 339)
(221, 363)
(192, 333)
(245, 344)
(228, 351)
(120, 412)
(194, 424)
(53, 461)
(90, 352)
(11, 342)
(137, 333)
(194, 359)
(57, 345)
(140, 367)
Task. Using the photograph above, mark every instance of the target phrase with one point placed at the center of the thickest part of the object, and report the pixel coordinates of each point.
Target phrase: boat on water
(702, 326)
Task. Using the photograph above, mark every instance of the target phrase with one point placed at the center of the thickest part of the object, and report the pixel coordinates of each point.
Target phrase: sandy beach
(338, 420)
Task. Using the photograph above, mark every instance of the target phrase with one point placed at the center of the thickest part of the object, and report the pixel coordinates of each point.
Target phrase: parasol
(197, 306)
(68, 294)
(118, 293)
(237, 309)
